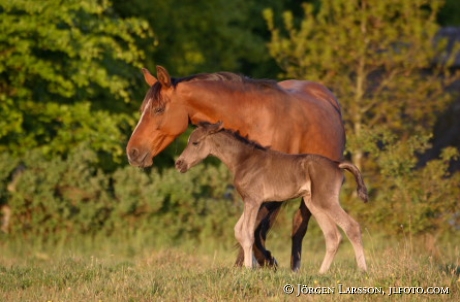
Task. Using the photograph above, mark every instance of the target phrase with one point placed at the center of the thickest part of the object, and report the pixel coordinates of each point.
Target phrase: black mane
(245, 139)
(238, 136)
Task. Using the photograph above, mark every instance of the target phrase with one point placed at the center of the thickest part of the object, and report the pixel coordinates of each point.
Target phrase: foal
(262, 175)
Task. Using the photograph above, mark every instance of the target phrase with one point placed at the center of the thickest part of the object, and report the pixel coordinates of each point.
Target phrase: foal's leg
(266, 216)
(244, 230)
(350, 227)
(331, 234)
(299, 229)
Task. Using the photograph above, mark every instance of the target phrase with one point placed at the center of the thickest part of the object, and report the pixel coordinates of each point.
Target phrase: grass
(135, 270)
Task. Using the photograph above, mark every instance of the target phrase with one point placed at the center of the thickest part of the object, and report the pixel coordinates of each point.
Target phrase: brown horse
(262, 175)
(290, 116)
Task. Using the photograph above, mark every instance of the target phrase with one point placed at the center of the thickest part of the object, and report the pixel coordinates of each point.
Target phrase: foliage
(57, 197)
(448, 15)
(380, 59)
(406, 197)
(207, 36)
(66, 74)
(421, 201)
(377, 56)
(69, 75)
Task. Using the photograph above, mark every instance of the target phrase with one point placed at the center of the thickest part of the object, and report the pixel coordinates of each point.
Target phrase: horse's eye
(158, 110)
(195, 143)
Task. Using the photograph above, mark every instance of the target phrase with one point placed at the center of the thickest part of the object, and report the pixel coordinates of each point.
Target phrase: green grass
(138, 270)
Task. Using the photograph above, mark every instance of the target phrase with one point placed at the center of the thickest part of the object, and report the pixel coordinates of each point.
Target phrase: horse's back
(310, 91)
(313, 120)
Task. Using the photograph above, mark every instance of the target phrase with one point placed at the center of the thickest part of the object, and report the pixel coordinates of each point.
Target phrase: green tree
(377, 56)
(66, 75)
(449, 15)
(207, 36)
(390, 74)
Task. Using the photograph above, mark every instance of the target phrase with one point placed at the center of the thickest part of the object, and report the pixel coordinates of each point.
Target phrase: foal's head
(198, 146)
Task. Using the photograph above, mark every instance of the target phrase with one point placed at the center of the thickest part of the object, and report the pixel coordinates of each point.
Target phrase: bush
(58, 198)
(405, 197)
(64, 197)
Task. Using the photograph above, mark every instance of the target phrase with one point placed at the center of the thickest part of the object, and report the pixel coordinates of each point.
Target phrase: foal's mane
(154, 92)
(237, 135)
(245, 139)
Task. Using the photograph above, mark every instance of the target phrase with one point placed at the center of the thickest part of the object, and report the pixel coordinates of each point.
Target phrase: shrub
(64, 197)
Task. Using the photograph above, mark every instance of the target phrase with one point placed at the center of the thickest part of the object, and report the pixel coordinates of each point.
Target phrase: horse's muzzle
(139, 159)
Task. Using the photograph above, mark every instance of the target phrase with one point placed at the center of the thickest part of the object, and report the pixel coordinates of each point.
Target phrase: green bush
(403, 196)
(64, 197)
(57, 198)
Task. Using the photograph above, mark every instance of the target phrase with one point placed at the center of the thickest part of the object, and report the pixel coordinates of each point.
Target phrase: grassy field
(136, 270)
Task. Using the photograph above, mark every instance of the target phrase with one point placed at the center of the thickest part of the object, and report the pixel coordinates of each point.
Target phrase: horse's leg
(299, 229)
(351, 229)
(331, 234)
(266, 216)
(264, 222)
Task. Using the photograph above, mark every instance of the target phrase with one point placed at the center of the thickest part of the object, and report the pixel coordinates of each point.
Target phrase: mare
(290, 116)
(262, 175)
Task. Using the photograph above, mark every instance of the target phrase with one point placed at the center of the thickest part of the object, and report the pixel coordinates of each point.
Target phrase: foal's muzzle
(181, 166)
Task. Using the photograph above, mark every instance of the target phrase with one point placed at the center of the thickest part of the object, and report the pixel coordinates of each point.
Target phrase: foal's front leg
(244, 229)
(265, 218)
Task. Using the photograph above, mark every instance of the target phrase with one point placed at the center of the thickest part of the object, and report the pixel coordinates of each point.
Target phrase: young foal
(262, 175)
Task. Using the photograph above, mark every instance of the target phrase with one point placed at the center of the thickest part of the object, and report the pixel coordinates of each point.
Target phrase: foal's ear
(213, 128)
(163, 76)
(149, 78)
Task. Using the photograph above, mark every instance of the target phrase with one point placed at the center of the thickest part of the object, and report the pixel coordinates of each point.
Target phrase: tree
(377, 56)
(449, 13)
(390, 73)
(207, 36)
(66, 74)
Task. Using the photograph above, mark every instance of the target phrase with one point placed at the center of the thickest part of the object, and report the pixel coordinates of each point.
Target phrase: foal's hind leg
(351, 229)
(331, 234)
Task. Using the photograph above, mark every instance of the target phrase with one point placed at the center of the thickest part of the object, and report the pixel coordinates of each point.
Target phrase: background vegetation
(70, 88)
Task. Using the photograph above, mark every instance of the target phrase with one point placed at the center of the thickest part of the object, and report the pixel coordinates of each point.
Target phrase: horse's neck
(231, 151)
(208, 105)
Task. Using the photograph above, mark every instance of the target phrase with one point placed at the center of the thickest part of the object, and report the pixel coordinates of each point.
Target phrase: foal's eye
(195, 143)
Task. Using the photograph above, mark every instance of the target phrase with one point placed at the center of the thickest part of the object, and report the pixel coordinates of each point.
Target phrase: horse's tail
(362, 190)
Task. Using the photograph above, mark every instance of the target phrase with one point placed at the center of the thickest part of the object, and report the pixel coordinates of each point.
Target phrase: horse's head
(198, 147)
(162, 120)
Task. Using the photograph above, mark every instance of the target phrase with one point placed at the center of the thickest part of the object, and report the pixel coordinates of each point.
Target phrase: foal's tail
(362, 190)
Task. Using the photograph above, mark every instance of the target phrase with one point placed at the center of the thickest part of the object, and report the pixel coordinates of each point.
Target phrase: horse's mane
(216, 76)
(225, 76)
(154, 92)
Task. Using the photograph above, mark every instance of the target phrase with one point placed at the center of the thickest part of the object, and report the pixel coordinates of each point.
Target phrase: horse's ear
(149, 78)
(163, 76)
(213, 128)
